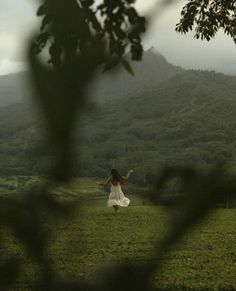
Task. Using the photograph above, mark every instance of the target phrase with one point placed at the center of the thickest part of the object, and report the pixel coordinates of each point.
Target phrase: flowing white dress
(117, 197)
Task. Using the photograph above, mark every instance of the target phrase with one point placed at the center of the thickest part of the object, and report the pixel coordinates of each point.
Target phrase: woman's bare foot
(116, 209)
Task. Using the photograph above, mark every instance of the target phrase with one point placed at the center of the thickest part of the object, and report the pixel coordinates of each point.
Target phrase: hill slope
(14, 89)
(188, 117)
(152, 70)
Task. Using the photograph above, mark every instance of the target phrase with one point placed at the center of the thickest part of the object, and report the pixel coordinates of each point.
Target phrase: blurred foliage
(80, 43)
(24, 218)
(69, 26)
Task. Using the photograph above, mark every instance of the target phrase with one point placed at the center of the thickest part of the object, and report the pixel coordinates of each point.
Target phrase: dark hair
(117, 176)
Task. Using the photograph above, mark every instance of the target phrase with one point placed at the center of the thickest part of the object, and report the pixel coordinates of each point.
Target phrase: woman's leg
(116, 208)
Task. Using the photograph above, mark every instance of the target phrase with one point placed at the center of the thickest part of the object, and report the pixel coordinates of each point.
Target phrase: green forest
(185, 117)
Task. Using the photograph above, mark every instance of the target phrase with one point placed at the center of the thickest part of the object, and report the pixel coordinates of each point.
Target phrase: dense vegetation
(185, 117)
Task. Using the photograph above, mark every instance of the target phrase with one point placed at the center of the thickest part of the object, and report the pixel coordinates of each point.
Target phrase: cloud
(7, 67)
(145, 6)
(17, 21)
(17, 16)
(11, 47)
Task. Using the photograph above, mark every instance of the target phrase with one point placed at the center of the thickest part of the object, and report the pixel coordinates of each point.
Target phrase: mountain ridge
(188, 117)
(14, 88)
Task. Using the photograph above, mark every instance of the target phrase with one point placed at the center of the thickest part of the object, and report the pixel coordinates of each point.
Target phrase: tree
(207, 17)
(71, 26)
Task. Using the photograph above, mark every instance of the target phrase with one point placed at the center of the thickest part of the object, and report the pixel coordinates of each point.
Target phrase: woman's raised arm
(128, 174)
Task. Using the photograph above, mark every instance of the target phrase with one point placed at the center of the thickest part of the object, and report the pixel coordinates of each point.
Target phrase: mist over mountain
(153, 69)
(164, 115)
(14, 88)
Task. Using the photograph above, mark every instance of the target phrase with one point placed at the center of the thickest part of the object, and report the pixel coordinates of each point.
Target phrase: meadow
(205, 259)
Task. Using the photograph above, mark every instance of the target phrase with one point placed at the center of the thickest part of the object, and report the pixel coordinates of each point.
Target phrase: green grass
(205, 258)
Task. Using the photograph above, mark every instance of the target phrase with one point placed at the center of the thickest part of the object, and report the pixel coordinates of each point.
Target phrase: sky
(18, 21)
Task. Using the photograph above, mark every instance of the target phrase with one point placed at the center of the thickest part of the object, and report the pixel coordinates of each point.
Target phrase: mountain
(167, 116)
(14, 88)
(153, 69)
(188, 119)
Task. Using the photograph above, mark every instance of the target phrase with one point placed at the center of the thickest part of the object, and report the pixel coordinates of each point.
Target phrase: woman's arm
(107, 182)
(128, 174)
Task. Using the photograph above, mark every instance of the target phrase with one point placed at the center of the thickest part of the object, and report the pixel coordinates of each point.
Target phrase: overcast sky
(18, 20)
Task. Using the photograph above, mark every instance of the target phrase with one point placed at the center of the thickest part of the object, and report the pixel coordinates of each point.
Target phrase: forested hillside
(188, 119)
(185, 117)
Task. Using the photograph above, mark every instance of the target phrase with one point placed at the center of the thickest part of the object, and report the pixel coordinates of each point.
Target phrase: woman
(117, 197)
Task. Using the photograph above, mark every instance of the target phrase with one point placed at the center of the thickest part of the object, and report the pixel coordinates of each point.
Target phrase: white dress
(117, 197)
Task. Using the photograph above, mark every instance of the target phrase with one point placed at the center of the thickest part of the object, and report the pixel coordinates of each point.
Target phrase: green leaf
(112, 63)
(127, 66)
(42, 10)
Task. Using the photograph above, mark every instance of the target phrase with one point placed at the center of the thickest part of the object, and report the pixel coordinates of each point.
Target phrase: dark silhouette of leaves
(206, 18)
(73, 24)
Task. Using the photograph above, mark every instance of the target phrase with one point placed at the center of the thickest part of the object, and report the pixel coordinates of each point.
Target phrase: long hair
(117, 176)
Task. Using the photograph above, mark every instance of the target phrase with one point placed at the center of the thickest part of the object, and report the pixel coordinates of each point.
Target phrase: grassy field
(94, 237)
